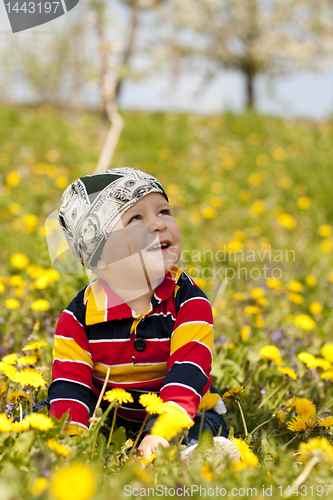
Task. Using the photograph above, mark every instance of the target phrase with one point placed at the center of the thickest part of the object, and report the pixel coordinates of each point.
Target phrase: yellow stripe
(194, 331)
(69, 349)
(131, 373)
(95, 312)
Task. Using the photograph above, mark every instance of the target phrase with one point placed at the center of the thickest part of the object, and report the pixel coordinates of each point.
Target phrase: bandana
(92, 205)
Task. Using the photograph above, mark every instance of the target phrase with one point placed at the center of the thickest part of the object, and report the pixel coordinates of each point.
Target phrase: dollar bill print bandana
(92, 205)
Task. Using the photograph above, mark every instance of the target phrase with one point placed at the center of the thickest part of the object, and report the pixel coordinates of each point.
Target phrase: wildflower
(29, 377)
(30, 221)
(12, 179)
(288, 371)
(296, 298)
(206, 472)
(239, 296)
(39, 485)
(35, 271)
(252, 310)
(5, 423)
(19, 260)
(232, 394)
(326, 422)
(209, 212)
(295, 286)
(303, 406)
(39, 421)
(311, 280)
(286, 220)
(20, 427)
(119, 395)
(18, 396)
(40, 305)
(324, 230)
(327, 375)
(273, 283)
(34, 346)
(248, 458)
(3, 387)
(58, 448)
(315, 307)
(325, 246)
(245, 332)
(74, 482)
(46, 278)
(327, 352)
(27, 360)
(257, 208)
(10, 359)
(169, 424)
(147, 461)
(304, 202)
(8, 370)
(301, 423)
(271, 353)
(308, 359)
(12, 304)
(280, 415)
(16, 281)
(304, 321)
(2, 287)
(152, 403)
(319, 447)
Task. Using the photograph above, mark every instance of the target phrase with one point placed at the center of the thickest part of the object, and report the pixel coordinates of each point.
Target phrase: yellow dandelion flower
(15, 208)
(119, 395)
(40, 305)
(239, 296)
(206, 472)
(245, 332)
(152, 403)
(30, 221)
(327, 352)
(27, 360)
(325, 246)
(29, 377)
(295, 286)
(8, 370)
(19, 260)
(208, 212)
(304, 321)
(304, 202)
(57, 447)
(311, 280)
(262, 301)
(316, 447)
(303, 406)
(322, 363)
(326, 422)
(301, 423)
(273, 283)
(327, 375)
(280, 415)
(3, 387)
(10, 359)
(40, 421)
(20, 427)
(315, 307)
(169, 424)
(147, 461)
(17, 396)
(248, 458)
(2, 287)
(35, 271)
(257, 293)
(13, 179)
(34, 346)
(308, 359)
(16, 281)
(39, 486)
(252, 310)
(5, 423)
(296, 298)
(325, 230)
(288, 371)
(232, 393)
(271, 353)
(12, 304)
(286, 220)
(257, 208)
(74, 482)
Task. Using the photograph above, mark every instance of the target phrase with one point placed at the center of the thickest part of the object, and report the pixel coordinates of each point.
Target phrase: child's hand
(150, 443)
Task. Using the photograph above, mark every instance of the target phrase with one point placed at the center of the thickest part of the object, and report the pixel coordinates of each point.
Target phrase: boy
(144, 318)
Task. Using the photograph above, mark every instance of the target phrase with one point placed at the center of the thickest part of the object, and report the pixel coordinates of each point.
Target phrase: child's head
(114, 218)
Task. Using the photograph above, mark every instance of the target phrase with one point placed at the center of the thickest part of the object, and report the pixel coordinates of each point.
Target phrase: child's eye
(166, 211)
(134, 217)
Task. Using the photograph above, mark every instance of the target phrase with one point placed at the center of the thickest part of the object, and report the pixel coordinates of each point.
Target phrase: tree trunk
(130, 42)
(250, 99)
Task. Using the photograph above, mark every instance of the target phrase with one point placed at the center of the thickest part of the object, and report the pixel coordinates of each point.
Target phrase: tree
(255, 37)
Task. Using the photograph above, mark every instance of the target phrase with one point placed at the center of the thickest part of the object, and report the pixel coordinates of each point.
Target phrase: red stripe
(195, 310)
(77, 372)
(68, 327)
(153, 386)
(186, 398)
(77, 411)
(195, 353)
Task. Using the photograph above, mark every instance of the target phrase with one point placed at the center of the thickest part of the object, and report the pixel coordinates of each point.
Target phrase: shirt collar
(102, 304)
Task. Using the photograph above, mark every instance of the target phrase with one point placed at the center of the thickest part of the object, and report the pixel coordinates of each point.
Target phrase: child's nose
(156, 224)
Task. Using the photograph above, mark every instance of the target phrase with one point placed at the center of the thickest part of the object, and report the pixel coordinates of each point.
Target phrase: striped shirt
(97, 331)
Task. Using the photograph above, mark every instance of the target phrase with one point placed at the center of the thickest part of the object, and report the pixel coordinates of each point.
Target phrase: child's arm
(71, 371)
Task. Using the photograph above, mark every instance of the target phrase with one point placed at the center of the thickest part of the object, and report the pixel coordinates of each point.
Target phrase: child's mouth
(160, 246)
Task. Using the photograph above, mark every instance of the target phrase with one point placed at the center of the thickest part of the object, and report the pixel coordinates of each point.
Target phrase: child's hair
(92, 206)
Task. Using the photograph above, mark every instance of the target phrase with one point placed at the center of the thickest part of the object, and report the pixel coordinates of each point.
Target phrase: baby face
(147, 236)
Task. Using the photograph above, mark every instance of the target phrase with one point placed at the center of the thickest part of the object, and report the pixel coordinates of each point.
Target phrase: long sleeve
(189, 364)
(72, 368)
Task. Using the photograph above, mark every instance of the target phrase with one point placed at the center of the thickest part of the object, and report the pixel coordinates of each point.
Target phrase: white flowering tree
(255, 37)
